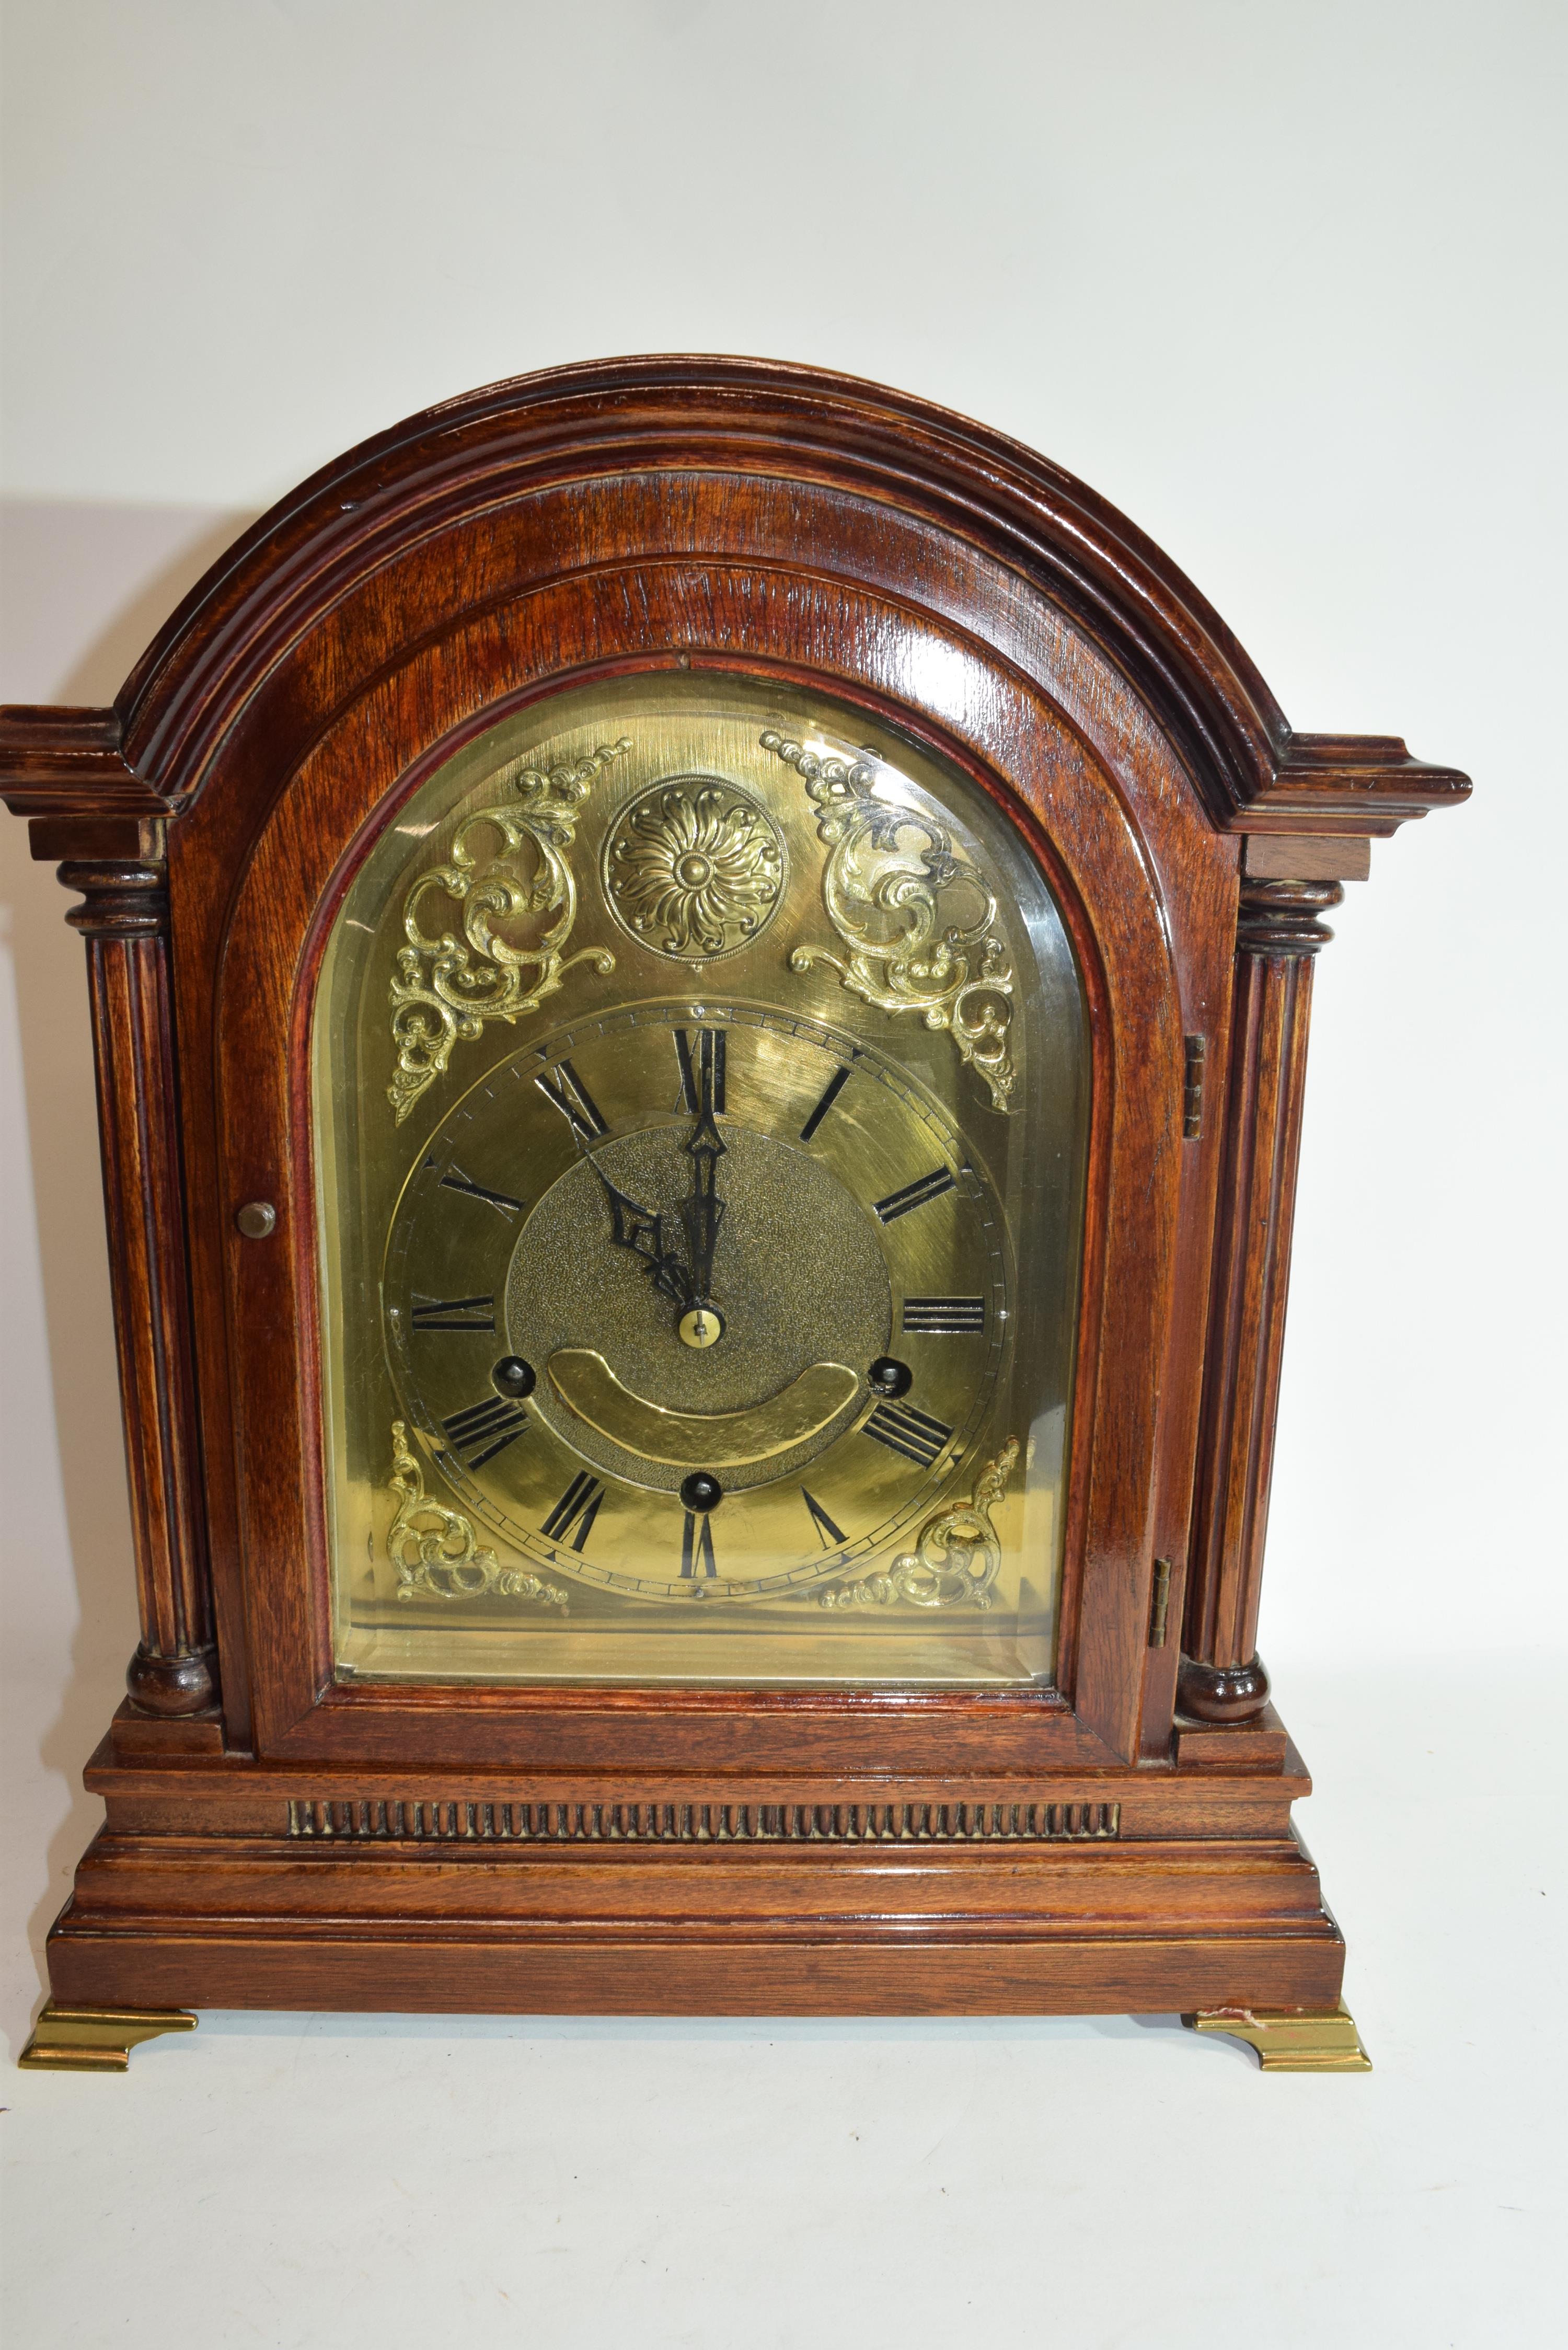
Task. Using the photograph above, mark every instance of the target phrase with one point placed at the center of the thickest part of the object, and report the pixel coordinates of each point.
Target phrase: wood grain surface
(292, 1842)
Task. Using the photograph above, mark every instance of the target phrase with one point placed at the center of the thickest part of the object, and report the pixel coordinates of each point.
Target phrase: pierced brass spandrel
(435, 1550)
(886, 901)
(955, 1555)
(445, 992)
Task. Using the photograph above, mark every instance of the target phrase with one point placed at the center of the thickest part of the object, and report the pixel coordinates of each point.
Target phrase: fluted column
(125, 922)
(1277, 932)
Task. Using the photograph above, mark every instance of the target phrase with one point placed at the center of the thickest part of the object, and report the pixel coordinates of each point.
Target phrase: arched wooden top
(460, 466)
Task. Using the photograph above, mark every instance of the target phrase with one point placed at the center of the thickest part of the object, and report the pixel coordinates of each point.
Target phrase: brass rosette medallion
(694, 868)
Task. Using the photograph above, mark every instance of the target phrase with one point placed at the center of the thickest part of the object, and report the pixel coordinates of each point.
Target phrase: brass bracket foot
(96, 2039)
(1291, 2039)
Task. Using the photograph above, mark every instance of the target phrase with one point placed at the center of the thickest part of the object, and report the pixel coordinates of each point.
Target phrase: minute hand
(702, 1213)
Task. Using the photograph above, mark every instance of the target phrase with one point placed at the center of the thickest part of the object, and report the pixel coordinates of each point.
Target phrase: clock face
(701, 1112)
(728, 1348)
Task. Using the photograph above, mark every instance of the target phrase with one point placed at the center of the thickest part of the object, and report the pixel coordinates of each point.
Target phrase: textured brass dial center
(799, 1267)
(693, 872)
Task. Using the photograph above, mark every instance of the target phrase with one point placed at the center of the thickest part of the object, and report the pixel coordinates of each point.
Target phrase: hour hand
(641, 1230)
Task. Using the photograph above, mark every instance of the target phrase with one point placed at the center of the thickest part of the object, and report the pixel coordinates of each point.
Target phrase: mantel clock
(699, 975)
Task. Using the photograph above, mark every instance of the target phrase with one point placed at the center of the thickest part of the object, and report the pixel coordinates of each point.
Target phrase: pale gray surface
(1284, 283)
(350, 2181)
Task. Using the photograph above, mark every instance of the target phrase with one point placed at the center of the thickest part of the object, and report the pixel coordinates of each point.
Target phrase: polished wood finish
(1279, 929)
(1310, 856)
(1089, 1847)
(124, 918)
(366, 1886)
(1125, 1444)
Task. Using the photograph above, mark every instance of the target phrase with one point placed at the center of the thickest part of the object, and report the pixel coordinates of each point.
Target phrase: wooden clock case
(1121, 1842)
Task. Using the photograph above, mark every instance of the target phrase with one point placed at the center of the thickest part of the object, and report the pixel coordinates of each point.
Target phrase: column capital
(123, 897)
(1282, 917)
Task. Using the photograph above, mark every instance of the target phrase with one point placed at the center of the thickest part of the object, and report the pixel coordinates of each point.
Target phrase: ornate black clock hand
(641, 1230)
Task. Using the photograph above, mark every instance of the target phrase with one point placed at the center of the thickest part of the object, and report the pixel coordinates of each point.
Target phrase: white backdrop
(1284, 282)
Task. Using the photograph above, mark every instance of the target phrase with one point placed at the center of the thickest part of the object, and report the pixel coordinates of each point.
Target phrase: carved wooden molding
(1283, 918)
(68, 762)
(124, 918)
(122, 898)
(497, 447)
(424, 1819)
(1345, 785)
(1278, 932)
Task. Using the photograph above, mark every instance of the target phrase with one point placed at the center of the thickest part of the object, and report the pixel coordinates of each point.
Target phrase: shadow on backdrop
(85, 589)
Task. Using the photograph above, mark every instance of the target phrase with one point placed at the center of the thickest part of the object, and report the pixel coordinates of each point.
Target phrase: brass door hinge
(1159, 1608)
(1192, 1093)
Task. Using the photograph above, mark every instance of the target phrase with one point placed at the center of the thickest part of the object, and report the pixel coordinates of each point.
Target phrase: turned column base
(1221, 1692)
(172, 1686)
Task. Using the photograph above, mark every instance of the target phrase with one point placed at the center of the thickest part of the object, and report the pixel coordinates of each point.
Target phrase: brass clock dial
(688, 1061)
(697, 1301)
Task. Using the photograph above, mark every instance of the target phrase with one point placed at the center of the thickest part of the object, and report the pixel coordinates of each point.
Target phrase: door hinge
(1192, 1094)
(1159, 1606)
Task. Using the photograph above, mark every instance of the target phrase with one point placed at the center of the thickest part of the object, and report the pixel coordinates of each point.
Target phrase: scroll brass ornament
(955, 1555)
(694, 868)
(445, 992)
(433, 1548)
(885, 899)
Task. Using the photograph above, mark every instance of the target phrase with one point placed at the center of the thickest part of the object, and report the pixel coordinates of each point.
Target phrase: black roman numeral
(830, 1093)
(904, 1429)
(915, 1194)
(578, 1506)
(701, 1069)
(483, 1429)
(827, 1533)
(563, 1087)
(453, 1314)
(454, 1179)
(944, 1318)
(697, 1546)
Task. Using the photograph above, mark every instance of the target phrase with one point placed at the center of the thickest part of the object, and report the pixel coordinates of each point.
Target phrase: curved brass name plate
(691, 1440)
